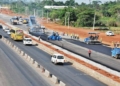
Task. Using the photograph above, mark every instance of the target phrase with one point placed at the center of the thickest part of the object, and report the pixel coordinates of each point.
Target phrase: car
(8, 32)
(27, 41)
(6, 29)
(14, 20)
(57, 58)
(110, 33)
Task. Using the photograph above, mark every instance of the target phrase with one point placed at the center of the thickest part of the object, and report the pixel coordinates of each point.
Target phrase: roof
(55, 7)
(58, 54)
(16, 29)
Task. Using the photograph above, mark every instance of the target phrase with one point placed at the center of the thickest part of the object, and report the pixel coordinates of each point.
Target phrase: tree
(70, 3)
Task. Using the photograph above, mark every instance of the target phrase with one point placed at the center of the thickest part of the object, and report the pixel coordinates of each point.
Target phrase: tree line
(82, 15)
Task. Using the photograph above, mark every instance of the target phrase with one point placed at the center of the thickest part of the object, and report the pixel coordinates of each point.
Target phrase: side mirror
(0, 36)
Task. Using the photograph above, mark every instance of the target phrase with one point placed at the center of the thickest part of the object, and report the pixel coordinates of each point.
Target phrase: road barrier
(22, 53)
(36, 64)
(54, 79)
(47, 73)
(32, 61)
(62, 84)
(28, 58)
(25, 55)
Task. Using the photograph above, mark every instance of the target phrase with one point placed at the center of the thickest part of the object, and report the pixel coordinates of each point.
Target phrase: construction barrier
(54, 79)
(47, 73)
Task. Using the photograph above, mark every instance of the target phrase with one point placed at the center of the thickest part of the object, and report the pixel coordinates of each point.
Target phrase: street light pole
(34, 12)
(94, 21)
(68, 21)
(47, 16)
(68, 14)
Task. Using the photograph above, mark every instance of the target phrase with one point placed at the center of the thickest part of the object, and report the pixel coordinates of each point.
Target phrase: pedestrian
(39, 38)
(89, 53)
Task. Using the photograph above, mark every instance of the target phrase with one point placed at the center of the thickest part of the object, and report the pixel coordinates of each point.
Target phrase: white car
(110, 33)
(57, 58)
(6, 29)
(27, 41)
(8, 32)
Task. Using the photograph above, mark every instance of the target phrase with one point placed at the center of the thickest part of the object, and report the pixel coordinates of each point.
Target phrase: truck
(115, 52)
(93, 38)
(54, 36)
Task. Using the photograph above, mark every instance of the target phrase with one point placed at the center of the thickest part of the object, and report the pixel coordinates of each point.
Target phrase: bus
(16, 34)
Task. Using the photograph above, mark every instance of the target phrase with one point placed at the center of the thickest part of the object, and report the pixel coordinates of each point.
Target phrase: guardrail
(82, 67)
(52, 77)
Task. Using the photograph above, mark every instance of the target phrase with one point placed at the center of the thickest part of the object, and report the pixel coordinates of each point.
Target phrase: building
(55, 7)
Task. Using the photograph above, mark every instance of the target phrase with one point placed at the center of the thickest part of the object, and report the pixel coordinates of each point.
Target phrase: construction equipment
(33, 27)
(115, 52)
(14, 20)
(93, 38)
(54, 36)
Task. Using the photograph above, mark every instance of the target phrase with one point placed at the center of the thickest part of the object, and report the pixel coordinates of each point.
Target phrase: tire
(117, 56)
(87, 42)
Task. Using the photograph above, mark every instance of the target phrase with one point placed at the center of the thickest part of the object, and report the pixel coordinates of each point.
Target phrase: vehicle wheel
(87, 42)
(117, 56)
(55, 63)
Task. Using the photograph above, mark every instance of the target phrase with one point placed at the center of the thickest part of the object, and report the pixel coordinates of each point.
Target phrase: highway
(14, 71)
(66, 73)
(75, 46)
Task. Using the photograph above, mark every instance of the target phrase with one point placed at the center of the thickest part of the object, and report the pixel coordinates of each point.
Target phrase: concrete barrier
(25, 55)
(14, 47)
(22, 53)
(62, 83)
(54, 79)
(9, 43)
(28, 58)
(42, 69)
(32, 61)
(47, 73)
(36, 64)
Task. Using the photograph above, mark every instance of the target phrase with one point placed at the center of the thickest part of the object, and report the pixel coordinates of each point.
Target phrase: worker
(89, 53)
(39, 38)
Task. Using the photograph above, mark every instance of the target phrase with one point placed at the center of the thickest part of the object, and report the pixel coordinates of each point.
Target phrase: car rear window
(60, 57)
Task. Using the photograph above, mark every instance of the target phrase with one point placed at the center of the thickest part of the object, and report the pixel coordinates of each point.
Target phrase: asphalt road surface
(66, 73)
(15, 72)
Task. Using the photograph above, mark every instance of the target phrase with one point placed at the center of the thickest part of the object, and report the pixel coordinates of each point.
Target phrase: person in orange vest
(89, 53)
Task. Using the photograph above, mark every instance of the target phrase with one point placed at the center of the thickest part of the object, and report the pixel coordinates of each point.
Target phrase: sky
(85, 1)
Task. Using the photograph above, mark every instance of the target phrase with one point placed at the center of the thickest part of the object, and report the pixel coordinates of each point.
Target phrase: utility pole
(47, 16)
(34, 12)
(94, 21)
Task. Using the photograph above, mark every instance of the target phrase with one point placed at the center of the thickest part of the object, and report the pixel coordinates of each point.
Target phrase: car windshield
(60, 57)
(28, 40)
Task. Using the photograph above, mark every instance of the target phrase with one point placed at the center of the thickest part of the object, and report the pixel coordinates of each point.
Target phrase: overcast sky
(85, 1)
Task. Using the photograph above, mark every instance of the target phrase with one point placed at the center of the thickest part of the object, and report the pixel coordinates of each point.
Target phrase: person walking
(89, 53)
(39, 38)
